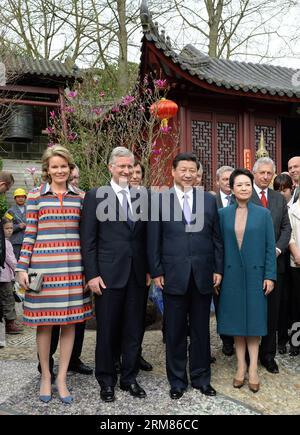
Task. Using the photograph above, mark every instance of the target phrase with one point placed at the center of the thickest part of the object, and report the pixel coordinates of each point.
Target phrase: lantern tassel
(164, 123)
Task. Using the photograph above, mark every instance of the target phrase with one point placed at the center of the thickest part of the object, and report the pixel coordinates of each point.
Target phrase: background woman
(52, 246)
(7, 276)
(249, 272)
(283, 183)
(294, 246)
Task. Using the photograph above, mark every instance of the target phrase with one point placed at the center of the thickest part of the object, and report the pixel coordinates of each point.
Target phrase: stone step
(21, 174)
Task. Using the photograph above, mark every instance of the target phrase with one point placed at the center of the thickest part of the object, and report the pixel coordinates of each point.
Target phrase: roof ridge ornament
(262, 151)
(145, 16)
(150, 27)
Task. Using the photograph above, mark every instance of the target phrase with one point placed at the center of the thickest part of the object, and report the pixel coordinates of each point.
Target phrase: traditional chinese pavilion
(225, 105)
(35, 88)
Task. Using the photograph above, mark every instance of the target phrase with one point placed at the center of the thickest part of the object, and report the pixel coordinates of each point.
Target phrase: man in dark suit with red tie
(264, 170)
(186, 262)
(115, 265)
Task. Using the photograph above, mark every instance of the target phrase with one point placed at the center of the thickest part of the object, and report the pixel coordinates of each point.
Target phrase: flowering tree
(32, 177)
(92, 124)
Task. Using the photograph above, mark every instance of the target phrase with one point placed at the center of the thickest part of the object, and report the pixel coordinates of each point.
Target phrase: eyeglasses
(122, 167)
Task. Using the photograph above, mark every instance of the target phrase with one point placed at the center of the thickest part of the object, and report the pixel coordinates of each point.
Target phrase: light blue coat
(243, 305)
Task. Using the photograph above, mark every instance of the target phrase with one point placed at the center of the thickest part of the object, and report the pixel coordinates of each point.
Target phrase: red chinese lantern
(164, 110)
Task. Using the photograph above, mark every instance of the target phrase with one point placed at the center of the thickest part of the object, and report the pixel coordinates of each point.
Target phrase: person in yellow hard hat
(17, 213)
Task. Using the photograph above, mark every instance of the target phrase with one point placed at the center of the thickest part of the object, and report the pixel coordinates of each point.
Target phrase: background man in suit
(136, 181)
(223, 199)
(294, 171)
(186, 265)
(199, 176)
(264, 170)
(115, 265)
(223, 196)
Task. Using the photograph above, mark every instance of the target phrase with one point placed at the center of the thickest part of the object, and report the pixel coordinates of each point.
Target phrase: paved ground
(19, 384)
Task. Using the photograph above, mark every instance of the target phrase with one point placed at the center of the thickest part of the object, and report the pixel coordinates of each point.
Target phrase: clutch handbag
(35, 281)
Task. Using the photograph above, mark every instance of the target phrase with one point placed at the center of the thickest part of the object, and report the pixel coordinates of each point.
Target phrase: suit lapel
(219, 200)
(231, 218)
(248, 222)
(271, 202)
(131, 225)
(255, 198)
(114, 202)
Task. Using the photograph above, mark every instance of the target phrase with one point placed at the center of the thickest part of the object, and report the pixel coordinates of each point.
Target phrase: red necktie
(263, 199)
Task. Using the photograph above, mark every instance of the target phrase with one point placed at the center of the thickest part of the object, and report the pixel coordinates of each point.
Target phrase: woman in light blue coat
(249, 274)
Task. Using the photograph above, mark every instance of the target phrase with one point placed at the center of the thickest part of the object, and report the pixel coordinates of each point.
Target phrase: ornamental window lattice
(202, 147)
(223, 148)
(226, 144)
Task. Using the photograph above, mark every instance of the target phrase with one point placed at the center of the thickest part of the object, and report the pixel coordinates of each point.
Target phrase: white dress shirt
(290, 203)
(259, 190)
(224, 200)
(117, 189)
(180, 195)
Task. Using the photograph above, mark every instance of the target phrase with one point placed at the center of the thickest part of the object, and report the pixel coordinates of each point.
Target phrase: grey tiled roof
(240, 76)
(42, 67)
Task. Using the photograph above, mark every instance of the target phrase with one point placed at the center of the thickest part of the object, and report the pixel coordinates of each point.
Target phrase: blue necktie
(186, 209)
(228, 197)
(126, 209)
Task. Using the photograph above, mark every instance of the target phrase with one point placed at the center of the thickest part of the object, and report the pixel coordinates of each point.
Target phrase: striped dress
(52, 246)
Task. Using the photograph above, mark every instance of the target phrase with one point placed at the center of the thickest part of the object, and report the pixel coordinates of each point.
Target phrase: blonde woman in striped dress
(52, 246)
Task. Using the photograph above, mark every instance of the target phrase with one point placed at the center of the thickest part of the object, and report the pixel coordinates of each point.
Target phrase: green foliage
(1, 164)
(108, 78)
(4, 206)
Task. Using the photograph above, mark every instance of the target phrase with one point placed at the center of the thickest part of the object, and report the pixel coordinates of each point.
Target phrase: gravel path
(19, 385)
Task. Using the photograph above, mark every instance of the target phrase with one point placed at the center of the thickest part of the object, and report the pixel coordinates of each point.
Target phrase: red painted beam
(33, 89)
(29, 102)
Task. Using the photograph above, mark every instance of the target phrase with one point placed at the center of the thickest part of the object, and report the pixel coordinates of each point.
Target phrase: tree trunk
(122, 40)
(214, 19)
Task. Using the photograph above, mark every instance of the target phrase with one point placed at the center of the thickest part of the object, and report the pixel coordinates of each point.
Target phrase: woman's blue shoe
(45, 399)
(67, 400)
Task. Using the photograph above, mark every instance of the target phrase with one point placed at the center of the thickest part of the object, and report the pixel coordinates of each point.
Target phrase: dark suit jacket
(110, 248)
(219, 200)
(282, 227)
(296, 195)
(176, 253)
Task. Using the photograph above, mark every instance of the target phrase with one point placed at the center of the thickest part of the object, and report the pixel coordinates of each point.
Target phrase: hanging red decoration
(164, 110)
